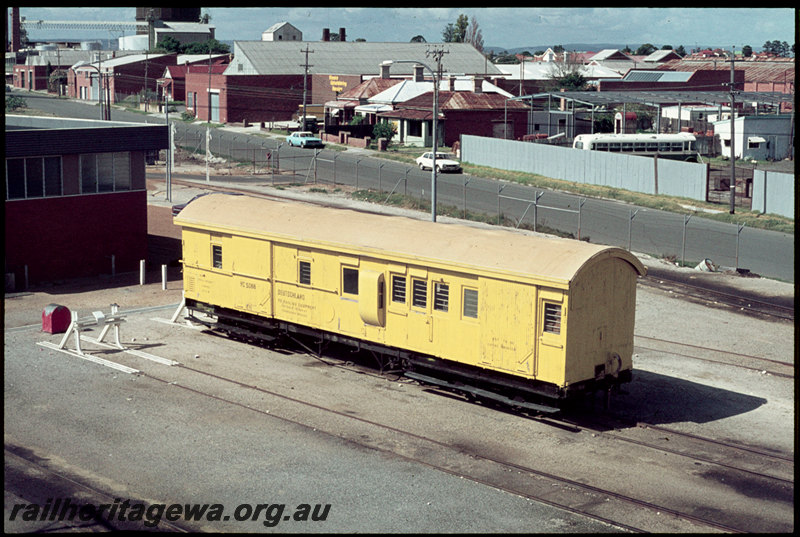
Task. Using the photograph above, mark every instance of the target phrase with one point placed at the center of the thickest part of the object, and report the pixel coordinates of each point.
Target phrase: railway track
(714, 295)
(620, 510)
(771, 469)
(40, 483)
(762, 365)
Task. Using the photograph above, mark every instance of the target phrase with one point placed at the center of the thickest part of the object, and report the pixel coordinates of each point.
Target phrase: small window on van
(441, 296)
(471, 303)
(216, 256)
(304, 276)
(552, 318)
(349, 281)
(398, 288)
(419, 298)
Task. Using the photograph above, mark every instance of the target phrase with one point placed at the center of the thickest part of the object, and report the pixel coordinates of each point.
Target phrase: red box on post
(55, 319)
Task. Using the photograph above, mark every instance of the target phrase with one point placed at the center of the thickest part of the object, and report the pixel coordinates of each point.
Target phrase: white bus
(682, 145)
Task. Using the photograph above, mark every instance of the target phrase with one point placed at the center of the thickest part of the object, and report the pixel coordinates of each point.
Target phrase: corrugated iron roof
(370, 87)
(355, 58)
(463, 100)
(636, 75)
(754, 71)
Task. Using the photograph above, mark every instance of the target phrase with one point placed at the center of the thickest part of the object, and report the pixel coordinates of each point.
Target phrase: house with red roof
(481, 110)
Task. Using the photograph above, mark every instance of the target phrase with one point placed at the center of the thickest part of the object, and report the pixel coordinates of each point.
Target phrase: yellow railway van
(452, 304)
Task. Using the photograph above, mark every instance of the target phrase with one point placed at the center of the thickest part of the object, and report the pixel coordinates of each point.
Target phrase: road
(658, 233)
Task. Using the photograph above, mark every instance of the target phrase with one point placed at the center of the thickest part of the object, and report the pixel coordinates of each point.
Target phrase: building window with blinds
(33, 177)
(105, 172)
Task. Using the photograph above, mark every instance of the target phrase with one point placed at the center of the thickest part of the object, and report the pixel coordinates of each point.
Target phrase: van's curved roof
(416, 241)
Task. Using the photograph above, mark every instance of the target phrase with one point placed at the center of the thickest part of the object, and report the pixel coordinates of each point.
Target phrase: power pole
(305, 85)
(436, 53)
(733, 138)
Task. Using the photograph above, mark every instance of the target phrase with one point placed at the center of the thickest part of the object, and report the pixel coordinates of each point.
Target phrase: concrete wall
(773, 193)
(638, 174)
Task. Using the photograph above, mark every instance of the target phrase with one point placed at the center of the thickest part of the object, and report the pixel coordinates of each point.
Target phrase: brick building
(75, 197)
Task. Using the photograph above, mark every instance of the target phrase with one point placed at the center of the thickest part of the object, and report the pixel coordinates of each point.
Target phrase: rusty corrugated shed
(755, 71)
(465, 100)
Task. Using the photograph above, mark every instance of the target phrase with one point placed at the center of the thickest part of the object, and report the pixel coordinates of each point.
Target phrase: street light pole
(102, 98)
(438, 55)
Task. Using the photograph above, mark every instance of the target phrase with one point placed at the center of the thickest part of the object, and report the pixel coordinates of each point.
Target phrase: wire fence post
(581, 201)
(405, 183)
(499, 189)
(632, 215)
(357, 161)
(738, 235)
(380, 181)
(683, 247)
(334, 168)
(535, 209)
(465, 197)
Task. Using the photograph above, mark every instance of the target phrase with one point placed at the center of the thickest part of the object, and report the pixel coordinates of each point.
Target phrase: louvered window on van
(419, 289)
(305, 273)
(398, 289)
(441, 296)
(216, 256)
(552, 318)
(471, 303)
(350, 281)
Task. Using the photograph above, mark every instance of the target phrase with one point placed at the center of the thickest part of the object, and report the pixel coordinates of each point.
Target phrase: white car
(445, 162)
(303, 139)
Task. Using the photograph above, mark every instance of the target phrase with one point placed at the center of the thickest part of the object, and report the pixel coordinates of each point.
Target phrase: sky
(507, 28)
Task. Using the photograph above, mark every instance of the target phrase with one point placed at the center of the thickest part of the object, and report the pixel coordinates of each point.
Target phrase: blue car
(303, 139)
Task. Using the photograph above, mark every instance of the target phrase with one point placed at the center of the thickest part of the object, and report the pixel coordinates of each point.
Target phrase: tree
(572, 82)
(567, 74)
(204, 18)
(56, 79)
(211, 46)
(680, 51)
(779, 48)
(473, 35)
(645, 49)
(747, 51)
(418, 39)
(455, 33)
(384, 129)
(168, 45)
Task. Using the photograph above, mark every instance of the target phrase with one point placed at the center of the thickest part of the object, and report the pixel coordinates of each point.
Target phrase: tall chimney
(326, 34)
(451, 81)
(342, 35)
(15, 33)
(419, 75)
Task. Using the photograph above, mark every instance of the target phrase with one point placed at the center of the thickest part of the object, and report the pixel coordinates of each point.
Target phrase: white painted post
(141, 272)
(163, 277)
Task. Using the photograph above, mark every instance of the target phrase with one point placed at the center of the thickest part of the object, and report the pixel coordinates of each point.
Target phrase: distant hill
(580, 47)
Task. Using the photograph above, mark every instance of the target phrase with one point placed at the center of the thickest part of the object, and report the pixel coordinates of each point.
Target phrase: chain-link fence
(685, 239)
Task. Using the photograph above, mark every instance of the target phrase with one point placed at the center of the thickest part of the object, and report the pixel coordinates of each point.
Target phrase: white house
(763, 137)
(282, 31)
